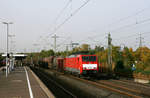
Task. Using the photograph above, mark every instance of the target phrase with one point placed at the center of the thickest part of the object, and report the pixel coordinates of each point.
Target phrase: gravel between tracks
(82, 89)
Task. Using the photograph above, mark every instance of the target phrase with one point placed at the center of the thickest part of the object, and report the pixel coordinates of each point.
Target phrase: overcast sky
(34, 23)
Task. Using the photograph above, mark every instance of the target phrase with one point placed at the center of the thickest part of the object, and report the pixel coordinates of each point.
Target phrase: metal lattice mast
(140, 44)
(55, 37)
(109, 52)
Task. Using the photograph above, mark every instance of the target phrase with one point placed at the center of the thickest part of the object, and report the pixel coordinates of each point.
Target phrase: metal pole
(55, 37)
(7, 52)
(7, 36)
(8, 48)
(109, 53)
(55, 43)
(66, 50)
(7, 24)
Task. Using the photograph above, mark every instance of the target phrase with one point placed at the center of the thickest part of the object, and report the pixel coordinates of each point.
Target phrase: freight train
(2, 63)
(76, 64)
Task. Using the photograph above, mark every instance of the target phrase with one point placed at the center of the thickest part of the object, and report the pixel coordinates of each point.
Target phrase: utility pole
(11, 41)
(55, 37)
(109, 52)
(141, 38)
(67, 49)
(32, 61)
(140, 45)
(71, 45)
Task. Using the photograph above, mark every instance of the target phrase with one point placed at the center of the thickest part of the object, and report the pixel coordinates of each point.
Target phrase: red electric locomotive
(81, 64)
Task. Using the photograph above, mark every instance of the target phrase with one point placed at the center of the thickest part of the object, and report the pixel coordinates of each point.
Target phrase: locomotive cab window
(93, 58)
(88, 58)
(85, 58)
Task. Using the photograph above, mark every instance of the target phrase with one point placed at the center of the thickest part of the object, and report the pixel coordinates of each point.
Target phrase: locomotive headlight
(94, 67)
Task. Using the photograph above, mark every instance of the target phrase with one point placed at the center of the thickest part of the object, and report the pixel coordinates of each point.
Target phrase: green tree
(142, 56)
(48, 53)
(116, 54)
(128, 57)
(99, 48)
(85, 47)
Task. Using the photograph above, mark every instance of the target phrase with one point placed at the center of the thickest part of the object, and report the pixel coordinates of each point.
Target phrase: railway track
(134, 89)
(58, 90)
(132, 83)
(142, 76)
(113, 87)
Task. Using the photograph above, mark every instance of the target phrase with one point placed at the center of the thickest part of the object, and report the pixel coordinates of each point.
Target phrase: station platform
(22, 83)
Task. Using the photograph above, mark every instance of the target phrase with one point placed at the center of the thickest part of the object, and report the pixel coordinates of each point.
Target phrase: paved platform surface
(16, 85)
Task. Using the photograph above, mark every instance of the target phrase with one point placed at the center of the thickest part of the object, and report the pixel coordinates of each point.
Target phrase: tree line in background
(123, 59)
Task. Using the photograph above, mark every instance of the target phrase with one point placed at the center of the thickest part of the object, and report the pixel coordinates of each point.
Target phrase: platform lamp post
(11, 53)
(7, 54)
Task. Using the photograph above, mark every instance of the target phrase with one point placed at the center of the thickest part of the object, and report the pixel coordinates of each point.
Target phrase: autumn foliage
(123, 59)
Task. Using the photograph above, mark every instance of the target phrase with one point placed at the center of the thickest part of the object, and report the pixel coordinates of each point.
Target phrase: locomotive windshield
(88, 58)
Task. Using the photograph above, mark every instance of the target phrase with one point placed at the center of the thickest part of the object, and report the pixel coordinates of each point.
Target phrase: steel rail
(107, 87)
(132, 83)
(124, 88)
(58, 85)
(101, 86)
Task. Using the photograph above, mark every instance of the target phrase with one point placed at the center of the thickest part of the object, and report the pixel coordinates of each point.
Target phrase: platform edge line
(42, 85)
(29, 86)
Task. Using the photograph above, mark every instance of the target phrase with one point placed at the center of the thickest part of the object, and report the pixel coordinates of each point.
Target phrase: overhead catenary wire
(123, 27)
(2, 20)
(61, 45)
(62, 11)
(57, 17)
(122, 19)
(68, 18)
(130, 25)
(130, 16)
(96, 42)
(77, 10)
(130, 36)
(127, 17)
(98, 35)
